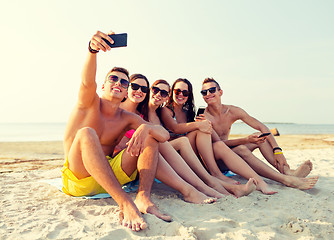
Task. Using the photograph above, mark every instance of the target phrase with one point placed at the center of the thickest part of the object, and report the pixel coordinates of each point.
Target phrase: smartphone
(120, 40)
(263, 135)
(200, 111)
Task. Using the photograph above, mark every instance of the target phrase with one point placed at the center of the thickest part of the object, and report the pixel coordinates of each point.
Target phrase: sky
(272, 58)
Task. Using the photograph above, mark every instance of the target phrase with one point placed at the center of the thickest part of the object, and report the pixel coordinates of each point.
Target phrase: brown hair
(189, 106)
(162, 82)
(118, 69)
(208, 80)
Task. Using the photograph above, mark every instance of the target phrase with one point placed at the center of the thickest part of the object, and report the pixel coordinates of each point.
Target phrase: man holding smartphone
(223, 116)
(95, 127)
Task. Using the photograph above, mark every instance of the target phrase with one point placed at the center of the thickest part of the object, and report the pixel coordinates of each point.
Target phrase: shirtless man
(223, 116)
(95, 127)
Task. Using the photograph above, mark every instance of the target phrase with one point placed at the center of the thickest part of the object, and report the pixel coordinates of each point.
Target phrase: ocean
(23, 132)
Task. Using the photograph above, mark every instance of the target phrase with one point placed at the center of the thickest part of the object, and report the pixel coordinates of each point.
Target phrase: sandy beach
(32, 209)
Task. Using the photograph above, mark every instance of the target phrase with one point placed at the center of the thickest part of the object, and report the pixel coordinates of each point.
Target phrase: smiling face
(116, 89)
(137, 96)
(179, 92)
(213, 93)
(156, 99)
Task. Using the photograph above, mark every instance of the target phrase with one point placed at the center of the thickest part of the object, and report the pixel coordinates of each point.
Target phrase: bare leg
(266, 150)
(239, 166)
(202, 142)
(182, 145)
(86, 158)
(168, 150)
(184, 171)
(167, 175)
(266, 171)
(147, 165)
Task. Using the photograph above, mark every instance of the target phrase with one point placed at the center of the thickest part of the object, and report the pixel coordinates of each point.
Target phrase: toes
(121, 217)
(210, 200)
(125, 223)
(143, 225)
(136, 227)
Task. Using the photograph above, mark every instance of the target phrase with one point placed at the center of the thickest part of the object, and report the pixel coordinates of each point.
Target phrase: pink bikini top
(129, 133)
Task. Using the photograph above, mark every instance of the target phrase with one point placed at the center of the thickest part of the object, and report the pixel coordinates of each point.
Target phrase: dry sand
(30, 209)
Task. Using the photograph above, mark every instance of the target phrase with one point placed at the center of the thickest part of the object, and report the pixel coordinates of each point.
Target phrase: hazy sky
(273, 58)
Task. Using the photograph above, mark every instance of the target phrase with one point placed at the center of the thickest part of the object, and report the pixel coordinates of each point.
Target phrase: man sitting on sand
(95, 127)
(223, 116)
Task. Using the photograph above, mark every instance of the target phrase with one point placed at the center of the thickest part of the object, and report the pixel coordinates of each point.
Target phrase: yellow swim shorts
(88, 186)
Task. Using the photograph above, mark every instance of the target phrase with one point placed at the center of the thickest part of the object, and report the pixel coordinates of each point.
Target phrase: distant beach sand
(31, 209)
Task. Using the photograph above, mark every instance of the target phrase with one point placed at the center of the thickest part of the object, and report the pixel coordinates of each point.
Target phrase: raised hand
(136, 143)
(97, 43)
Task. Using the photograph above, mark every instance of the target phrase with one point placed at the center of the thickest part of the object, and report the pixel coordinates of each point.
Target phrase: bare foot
(216, 184)
(226, 179)
(245, 189)
(145, 205)
(302, 171)
(211, 191)
(301, 183)
(130, 217)
(195, 196)
(264, 188)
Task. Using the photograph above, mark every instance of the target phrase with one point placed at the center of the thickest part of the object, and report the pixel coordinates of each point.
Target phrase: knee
(219, 145)
(184, 141)
(241, 150)
(150, 141)
(86, 133)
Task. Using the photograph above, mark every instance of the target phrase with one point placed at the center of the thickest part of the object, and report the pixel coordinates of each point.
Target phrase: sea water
(22, 132)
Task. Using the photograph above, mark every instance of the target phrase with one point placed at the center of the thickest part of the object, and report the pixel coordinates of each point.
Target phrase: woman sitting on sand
(138, 103)
(178, 117)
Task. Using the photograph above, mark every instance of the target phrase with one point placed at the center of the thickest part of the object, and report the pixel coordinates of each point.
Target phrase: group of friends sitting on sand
(152, 131)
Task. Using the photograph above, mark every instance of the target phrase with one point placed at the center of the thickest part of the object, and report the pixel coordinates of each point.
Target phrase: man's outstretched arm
(87, 92)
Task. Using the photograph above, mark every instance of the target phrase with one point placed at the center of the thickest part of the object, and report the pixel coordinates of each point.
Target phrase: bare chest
(222, 125)
(111, 132)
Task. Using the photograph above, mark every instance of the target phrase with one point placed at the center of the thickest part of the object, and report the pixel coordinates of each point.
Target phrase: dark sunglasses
(211, 90)
(115, 79)
(135, 86)
(185, 93)
(163, 93)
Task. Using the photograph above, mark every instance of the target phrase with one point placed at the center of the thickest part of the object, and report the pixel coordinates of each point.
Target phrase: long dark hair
(142, 107)
(160, 81)
(189, 106)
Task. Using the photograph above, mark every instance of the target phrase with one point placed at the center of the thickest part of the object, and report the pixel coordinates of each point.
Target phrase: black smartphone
(263, 135)
(120, 40)
(200, 111)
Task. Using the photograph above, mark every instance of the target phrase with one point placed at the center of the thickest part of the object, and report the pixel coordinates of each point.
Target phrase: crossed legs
(86, 158)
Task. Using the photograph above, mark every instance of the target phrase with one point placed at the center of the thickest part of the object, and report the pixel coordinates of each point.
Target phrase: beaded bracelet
(91, 50)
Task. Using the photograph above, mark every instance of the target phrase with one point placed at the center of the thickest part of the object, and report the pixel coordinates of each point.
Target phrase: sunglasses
(135, 86)
(115, 79)
(211, 90)
(185, 93)
(163, 93)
